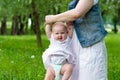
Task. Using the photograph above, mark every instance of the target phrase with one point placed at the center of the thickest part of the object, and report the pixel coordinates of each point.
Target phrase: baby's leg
(50, 74)
(66, 71)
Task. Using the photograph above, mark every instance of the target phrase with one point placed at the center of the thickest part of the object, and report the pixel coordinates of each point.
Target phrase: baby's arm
(48, 30)
(70, 28)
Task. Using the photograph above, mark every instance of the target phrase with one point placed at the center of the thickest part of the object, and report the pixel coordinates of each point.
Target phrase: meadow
(20, 58)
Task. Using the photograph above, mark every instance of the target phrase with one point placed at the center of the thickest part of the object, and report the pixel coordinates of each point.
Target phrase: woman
(88, 42)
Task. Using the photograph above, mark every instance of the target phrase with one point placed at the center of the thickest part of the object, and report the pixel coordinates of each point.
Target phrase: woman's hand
(70, 23)
(70, 28)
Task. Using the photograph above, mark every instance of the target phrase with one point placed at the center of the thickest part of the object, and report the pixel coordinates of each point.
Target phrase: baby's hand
(49, 19)
(48, 25)
(69, 23)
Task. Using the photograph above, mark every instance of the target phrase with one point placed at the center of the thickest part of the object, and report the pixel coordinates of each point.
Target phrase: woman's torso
(89, 29)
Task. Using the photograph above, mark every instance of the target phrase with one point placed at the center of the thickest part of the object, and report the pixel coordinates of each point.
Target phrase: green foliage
(110, 10)
(10, 8)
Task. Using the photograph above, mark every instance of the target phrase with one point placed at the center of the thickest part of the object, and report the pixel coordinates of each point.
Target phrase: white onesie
(58, 52)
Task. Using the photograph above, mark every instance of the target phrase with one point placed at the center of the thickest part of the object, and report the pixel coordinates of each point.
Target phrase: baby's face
(59, 33)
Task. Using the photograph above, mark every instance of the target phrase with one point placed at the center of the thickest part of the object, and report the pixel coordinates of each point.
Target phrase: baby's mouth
(59, 38)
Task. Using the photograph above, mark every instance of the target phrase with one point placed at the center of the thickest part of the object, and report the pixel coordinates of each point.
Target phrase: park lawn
(113, 50)
(20, 58)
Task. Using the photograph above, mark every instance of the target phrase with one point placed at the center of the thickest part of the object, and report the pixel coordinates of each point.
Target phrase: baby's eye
(62, 32)
(56, 33)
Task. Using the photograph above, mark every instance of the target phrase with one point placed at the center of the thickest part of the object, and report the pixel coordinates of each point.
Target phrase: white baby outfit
(58, 53)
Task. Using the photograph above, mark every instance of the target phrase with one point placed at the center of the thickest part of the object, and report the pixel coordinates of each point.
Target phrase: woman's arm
(48, 30)
(80, 10)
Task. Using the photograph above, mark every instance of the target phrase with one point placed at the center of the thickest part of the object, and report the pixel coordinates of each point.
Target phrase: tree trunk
(36, 23)
(3, 26)
(115, 21)
(15, 25)
(33, 24)
(21, 26)
(115, 28)
(26, 25)
(21, 30)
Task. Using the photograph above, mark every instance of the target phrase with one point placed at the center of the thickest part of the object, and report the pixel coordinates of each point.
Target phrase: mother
(88, 42)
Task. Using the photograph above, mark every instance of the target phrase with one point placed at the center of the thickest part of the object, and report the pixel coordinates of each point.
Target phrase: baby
(58, 58)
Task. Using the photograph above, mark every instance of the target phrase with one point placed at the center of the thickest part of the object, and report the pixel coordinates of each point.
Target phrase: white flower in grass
(12, 62)
(32, 57)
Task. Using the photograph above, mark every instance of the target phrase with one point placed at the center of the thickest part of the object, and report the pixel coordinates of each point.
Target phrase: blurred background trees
(22, 12)
(110, 12)
(30, 14)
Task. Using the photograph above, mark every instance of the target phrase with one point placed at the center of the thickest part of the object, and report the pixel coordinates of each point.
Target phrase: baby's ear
(67, 31)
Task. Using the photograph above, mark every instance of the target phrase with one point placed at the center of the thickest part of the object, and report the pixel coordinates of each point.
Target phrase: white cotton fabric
(58, 52)
(95, 1)
(91, 63)
(57, 69)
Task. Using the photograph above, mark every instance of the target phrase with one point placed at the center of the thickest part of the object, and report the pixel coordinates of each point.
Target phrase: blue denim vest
(89, 29)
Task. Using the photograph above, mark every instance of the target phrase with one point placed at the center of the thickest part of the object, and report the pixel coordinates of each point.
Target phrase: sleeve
(46, 58)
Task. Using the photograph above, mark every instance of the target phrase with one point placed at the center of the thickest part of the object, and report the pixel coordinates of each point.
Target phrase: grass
(113, 49)
(20, 58)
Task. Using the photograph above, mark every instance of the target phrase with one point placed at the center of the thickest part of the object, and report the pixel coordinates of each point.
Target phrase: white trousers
(91, 62)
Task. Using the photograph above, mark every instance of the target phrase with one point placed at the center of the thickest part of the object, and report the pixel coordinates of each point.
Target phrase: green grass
(113, 50)
(20, 58)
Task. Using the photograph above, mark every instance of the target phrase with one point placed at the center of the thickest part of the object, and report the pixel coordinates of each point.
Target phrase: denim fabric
(89, 29)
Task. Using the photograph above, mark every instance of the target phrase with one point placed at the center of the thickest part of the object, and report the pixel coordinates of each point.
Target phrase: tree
(110, 12)
(36, 22)
(3, 15)
(18, 11)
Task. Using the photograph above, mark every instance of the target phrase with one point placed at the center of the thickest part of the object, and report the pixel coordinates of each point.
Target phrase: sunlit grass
(21, 59)
(113, 49)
